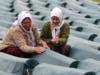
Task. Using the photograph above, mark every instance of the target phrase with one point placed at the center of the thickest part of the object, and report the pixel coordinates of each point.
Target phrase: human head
(25, 20)
(56, 16)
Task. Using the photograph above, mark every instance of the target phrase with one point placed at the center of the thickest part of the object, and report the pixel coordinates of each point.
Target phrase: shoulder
(15, 30)
(46, 24)
(33, 26)
(66, 25)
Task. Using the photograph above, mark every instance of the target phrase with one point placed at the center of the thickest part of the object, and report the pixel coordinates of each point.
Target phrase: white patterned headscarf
(29, 34)
(58, 13)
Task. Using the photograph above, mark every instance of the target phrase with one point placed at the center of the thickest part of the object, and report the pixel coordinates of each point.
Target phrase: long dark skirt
(64, 49)
(16, 52)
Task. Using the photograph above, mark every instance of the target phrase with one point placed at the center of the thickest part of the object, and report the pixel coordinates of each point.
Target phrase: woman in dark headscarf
(22, 39)
(56, 32)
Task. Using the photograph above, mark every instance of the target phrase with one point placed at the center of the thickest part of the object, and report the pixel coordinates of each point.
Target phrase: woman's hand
(55, 40)
(39, 49)
(45, 45)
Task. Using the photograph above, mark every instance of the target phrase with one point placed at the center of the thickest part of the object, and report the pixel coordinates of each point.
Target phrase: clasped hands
(55, 40)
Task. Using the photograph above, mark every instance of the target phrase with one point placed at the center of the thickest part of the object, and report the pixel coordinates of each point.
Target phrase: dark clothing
(16, 52)
(64, 49)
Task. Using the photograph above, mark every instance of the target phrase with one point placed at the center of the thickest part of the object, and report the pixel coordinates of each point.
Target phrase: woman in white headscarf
(22, 39)
(56, 32)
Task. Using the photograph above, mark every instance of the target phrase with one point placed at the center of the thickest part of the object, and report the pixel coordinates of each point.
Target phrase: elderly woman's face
(26, 23)
(55, 20)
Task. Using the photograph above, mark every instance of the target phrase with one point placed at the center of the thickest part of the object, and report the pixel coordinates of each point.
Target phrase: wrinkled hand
(39, 49)
(55, 40)
(45, 45)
